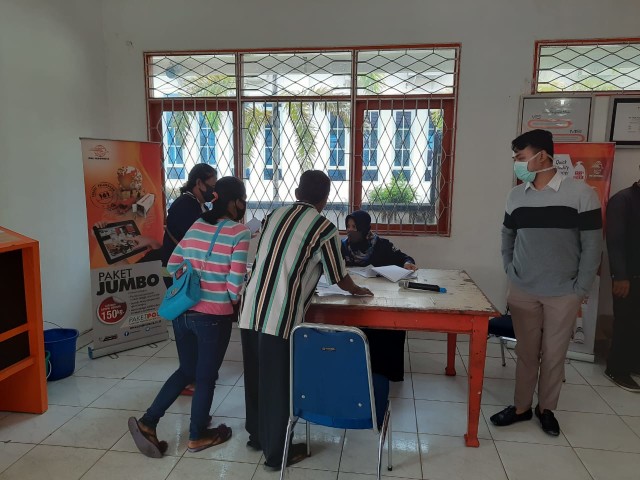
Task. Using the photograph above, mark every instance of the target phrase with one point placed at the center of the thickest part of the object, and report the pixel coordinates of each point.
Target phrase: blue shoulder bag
(185, 291)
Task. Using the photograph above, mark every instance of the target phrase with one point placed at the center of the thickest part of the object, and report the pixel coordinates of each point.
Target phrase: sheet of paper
(393, 272)
(254, 225)
(325, 291)
(365, 272)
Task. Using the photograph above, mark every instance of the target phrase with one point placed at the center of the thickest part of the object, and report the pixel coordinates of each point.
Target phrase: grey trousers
(543, 326)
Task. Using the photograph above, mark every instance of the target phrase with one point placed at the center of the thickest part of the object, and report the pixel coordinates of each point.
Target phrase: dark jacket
(623, 233)
(183, 212)
(384, 253)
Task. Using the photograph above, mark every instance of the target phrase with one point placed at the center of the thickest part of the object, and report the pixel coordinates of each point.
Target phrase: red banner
(593, 164)
(590, 162)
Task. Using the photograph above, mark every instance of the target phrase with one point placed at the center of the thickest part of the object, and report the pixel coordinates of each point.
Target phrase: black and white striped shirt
(296, 246)
(552, 238)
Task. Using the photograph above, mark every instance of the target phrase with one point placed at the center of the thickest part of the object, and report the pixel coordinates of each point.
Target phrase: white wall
(497, 61)
(52, 91)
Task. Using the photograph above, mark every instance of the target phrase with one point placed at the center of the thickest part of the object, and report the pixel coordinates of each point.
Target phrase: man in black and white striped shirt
(297, 245)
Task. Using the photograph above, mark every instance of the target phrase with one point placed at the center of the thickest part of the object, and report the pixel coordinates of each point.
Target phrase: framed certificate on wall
(624, 122)
(567, 117)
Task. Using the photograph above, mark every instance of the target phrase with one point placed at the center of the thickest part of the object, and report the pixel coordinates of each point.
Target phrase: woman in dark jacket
(183, 213)
(187, 208)
(361, 248)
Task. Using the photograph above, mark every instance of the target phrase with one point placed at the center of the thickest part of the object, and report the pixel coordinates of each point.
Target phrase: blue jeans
(202, 341)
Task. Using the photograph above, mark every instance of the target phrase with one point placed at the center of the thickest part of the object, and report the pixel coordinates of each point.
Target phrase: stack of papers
(365, 272)
(390, 272)
(324, 289)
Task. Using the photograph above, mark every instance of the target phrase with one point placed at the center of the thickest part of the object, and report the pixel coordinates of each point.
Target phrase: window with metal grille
(587, 66)
(174, 164)
(379, 122)
(207, 137)
(336, 148)
(370, 147)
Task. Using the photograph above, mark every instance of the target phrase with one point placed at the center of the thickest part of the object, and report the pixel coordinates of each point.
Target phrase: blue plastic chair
(332, 385)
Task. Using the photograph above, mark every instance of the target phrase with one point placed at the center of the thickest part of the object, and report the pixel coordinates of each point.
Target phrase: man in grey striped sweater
(551, 250)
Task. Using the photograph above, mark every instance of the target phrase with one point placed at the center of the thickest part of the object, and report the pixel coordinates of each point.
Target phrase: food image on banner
(591, 163)
(123, 181)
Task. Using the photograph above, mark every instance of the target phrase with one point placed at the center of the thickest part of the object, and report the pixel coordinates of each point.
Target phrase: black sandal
(214, 436)
(147, 442)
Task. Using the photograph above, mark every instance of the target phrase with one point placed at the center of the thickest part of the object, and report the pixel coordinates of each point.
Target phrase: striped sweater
(296, 246)
(222, 274)
(552, 238)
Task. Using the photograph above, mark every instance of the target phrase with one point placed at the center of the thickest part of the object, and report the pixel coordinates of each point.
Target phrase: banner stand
(591, 163)
(125, 220)
(139, 342)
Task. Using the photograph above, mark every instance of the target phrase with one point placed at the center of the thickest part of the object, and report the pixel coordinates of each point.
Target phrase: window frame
(354, 170)
(578, 42)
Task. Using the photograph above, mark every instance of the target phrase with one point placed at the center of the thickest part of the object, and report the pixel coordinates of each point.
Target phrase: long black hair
(201, 171)
(227, 189)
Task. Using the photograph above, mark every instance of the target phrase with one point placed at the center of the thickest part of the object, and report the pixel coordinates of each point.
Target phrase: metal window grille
(380, 123)
(588, 66)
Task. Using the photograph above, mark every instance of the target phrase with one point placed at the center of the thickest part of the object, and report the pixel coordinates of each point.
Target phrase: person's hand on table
(410, 266)
(361, 291)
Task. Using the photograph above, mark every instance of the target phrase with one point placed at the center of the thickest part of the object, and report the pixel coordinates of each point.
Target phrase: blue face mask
(522, 172)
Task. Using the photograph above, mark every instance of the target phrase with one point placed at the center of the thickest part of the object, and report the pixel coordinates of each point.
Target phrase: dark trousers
(202, 342)
(266, 391)
(624, 356)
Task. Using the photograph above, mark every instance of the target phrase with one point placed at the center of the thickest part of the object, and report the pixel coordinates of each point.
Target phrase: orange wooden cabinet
(23, 381)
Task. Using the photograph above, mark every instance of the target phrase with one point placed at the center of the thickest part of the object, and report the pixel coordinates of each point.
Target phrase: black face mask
(355, 236)
(241, 211)
(207, 195)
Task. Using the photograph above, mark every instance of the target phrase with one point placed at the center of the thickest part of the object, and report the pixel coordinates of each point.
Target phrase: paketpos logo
(99, 151)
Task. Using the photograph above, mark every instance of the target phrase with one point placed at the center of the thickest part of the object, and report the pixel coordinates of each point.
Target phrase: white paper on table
(393, 272)
(366, 272)
(334, 289)
(254, 225)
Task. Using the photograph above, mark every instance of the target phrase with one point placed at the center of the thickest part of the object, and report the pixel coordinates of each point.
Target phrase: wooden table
(463, 309)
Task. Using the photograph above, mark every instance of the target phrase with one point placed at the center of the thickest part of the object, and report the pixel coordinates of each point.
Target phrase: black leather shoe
(624, 381)
(548, 421)
(509, 416)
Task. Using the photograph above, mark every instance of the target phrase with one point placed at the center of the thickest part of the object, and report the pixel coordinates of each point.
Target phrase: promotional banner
(125, 218)
(593, 164)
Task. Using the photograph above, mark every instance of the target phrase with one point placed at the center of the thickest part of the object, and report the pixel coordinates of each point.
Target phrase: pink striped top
(222, 274)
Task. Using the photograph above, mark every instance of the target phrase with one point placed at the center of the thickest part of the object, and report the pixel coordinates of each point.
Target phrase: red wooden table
(464, 309)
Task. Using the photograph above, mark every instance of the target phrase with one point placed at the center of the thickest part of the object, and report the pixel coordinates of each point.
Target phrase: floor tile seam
(33, 445)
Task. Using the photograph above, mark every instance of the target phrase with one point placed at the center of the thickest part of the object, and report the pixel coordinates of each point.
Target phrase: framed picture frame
(624, 121)
(568, 117)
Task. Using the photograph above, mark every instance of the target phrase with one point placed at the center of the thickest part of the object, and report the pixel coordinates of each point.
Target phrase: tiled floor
(84, 433)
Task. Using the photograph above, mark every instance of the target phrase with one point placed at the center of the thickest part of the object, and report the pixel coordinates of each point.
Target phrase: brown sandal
(146, 441)
(213, 437)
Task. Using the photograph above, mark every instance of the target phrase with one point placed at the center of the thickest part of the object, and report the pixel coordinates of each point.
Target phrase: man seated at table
(361, 248)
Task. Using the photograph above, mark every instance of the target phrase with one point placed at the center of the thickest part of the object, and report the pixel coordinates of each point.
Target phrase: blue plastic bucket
(47, 362)
(61, 343)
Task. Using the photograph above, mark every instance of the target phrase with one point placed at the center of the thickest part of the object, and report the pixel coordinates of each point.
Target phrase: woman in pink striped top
(202, 333)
